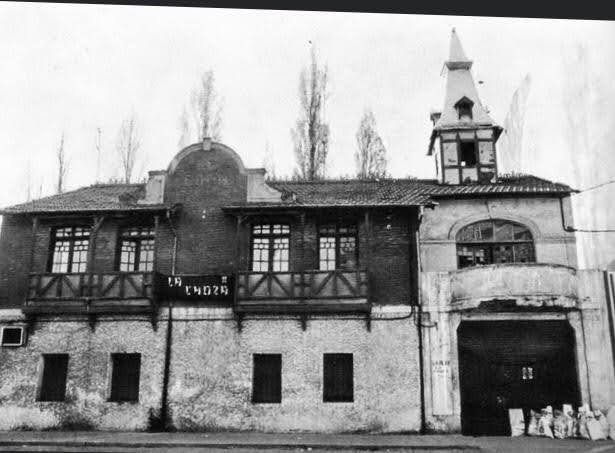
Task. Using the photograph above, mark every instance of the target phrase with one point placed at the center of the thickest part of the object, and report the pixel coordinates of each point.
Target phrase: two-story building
(210, 299)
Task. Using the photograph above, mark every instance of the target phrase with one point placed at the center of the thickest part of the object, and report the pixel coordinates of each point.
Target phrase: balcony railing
(92, 293)
(307, 291)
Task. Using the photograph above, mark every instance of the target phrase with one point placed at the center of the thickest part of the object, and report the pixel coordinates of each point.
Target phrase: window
(267, 378)
(126, 369)
(464, 109)
(468, 156)
(337, 246)
(337, 378)
(136, 249)
(270, 247)
(53, 379)
(494, 241)
(70, 249)
(12, 336)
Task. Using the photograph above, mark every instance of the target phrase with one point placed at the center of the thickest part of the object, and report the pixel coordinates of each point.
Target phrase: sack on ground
(594, 429)
(517, 422)
(532, 428)
(545, 424)
(582, 422)
(604, 424)
(560, 425)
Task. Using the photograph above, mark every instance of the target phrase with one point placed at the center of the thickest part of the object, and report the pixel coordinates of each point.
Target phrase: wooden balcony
(116, 292)
(302, 292)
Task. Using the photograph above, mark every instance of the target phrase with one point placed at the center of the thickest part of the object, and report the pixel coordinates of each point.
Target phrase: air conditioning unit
(13, 336)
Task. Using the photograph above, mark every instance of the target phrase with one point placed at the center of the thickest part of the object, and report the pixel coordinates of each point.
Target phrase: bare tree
(98, 152)
(28, 181)
(269, 163)
(511, 142)
(370, 156)
(184, 130)
(128, 145)
(311, 133)
(206, 108)
(62, 165)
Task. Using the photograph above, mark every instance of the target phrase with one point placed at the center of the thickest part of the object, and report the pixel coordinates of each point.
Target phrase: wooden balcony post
(96, 224)
(368, 250)
(33, 244)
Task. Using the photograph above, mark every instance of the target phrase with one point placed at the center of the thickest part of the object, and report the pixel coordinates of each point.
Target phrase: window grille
(270, 247)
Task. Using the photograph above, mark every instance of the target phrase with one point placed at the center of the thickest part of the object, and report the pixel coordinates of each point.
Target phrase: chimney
(154, 187)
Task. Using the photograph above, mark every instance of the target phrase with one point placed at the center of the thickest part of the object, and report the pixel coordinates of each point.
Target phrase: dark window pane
(521, 233)
(503, 254)
(348, 253)
(467, 154)
(125, 377)
(11, 335)
(465, 256)
(53, 382)
(524, 253)
(338, 385)
(267, 378)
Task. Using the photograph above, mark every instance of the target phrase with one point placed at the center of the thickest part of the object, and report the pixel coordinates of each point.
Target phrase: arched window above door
(492, 242)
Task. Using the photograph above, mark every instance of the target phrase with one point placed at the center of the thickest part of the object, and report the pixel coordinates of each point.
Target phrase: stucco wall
(541, 215)
(211, 374)
(88, 376)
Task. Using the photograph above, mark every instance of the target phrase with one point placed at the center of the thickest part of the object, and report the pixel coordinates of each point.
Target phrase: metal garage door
(513, 364)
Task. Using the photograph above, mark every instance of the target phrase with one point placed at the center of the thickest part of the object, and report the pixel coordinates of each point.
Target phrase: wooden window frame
(492, 243)
(337, 235)
(123, 236)
(329, 395)
(260, 396)
(477, 141)
(271, 236)
(71, 240)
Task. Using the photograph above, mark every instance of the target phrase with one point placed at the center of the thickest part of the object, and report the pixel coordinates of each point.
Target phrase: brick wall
(15, 246)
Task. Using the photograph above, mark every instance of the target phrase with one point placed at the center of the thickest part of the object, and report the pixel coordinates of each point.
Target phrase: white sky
(79, 67)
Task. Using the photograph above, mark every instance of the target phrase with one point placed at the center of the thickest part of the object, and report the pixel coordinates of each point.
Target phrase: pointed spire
(457, 57)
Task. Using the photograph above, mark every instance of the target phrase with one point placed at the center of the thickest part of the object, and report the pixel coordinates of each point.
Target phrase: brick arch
(465, 221)
(200, 147)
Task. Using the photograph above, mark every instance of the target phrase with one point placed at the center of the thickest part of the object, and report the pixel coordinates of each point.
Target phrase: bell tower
(464, 135)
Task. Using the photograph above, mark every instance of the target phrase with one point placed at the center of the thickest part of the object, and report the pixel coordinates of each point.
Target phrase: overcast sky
(75, 68)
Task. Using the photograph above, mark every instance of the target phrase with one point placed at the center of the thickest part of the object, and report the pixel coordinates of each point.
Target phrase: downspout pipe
(416, 275)
(164, 404)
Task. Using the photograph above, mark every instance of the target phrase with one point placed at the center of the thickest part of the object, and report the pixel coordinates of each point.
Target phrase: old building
(208, 298)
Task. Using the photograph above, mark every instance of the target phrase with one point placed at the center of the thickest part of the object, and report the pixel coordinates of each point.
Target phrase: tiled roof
(402, 192)
(340, 192)
(99, 197)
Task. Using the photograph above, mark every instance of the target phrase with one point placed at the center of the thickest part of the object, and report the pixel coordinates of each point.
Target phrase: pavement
(239, 442)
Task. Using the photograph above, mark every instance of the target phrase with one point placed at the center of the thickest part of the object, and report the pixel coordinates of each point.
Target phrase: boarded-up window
(125, 377)
(338, 378)
(267, 378)
(53, 381)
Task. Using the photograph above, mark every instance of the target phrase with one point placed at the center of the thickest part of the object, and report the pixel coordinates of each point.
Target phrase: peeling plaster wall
(88, 376)
(211, 375)
(541, 215)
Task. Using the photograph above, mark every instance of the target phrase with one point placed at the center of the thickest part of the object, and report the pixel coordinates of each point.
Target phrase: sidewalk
(126, 441)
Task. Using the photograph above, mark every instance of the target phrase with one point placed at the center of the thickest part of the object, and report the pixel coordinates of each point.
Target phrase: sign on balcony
(196, 287)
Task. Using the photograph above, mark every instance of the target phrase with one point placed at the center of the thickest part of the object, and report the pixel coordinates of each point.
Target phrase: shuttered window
(338, 378)
(53, 381)
(125, 377)
(267, 378)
